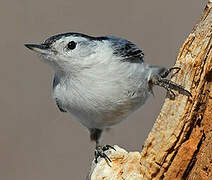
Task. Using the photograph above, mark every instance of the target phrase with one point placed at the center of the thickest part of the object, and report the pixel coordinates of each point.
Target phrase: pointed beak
(39, 48)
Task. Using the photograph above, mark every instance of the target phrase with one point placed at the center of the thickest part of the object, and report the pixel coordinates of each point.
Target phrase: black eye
(71, 45)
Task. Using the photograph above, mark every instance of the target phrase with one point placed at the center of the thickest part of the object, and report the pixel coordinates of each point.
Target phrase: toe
(100, 152)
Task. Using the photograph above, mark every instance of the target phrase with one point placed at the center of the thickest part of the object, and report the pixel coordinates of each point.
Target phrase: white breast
(102, 96)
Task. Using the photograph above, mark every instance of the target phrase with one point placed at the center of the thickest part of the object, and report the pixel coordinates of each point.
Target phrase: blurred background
(37, 141)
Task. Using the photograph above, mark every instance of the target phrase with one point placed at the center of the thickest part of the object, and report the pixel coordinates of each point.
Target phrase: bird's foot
(168, 84)
(100, 152)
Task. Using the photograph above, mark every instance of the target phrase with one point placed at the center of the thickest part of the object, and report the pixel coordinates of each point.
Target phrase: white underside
(104, 95)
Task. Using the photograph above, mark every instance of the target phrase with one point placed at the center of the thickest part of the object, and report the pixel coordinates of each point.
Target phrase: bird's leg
(159, 79)
(95, 135)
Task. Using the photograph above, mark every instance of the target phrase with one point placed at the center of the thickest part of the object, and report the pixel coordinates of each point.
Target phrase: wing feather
(55, 82)
(126, 49)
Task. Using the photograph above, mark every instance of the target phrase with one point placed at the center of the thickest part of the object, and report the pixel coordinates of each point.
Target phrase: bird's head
(69, 50)
(76, 51)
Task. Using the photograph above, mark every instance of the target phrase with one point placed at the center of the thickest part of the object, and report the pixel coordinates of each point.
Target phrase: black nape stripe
(54, 38)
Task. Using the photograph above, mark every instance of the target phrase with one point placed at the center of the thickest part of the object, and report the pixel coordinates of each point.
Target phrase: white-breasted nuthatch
(101, 80)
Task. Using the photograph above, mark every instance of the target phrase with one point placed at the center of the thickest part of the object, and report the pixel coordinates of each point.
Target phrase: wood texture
(179, 145)
(180, 140)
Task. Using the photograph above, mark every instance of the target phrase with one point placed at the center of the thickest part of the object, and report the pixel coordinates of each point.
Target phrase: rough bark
(179, 145)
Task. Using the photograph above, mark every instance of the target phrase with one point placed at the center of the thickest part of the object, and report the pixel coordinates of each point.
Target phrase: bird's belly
(102, 103)
(103, 117)
(99, 112)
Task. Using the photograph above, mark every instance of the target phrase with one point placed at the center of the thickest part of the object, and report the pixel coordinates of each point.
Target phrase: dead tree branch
(179, 145)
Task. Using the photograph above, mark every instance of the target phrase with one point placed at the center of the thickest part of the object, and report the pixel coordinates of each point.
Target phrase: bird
(101, 80)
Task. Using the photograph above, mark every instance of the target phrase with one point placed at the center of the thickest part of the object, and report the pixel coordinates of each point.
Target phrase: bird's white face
(73, 52)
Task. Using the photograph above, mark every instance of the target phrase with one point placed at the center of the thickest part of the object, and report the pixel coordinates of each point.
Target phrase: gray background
(37, 142)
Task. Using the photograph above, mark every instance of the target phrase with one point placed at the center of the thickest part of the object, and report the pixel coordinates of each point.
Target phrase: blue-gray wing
(55, 82)
(126, 49)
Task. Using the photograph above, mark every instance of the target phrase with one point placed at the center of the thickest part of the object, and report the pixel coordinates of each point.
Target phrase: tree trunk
(179, 145)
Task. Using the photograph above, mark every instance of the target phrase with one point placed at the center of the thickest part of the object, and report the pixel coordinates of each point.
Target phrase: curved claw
(172, 94)
(168, 71)
(100, 152)
(107, 147)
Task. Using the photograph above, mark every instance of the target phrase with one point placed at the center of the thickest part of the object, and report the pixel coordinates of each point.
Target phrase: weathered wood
(179, 145)
(171, 150)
